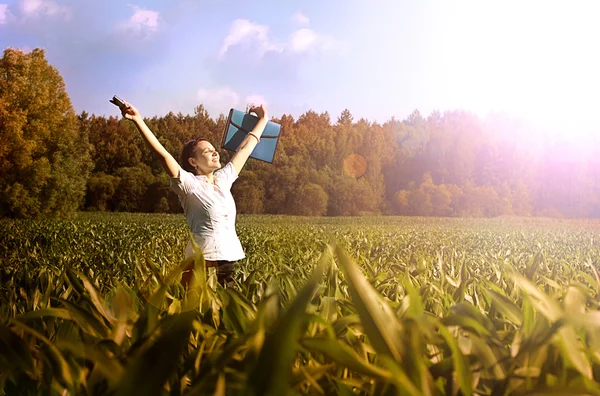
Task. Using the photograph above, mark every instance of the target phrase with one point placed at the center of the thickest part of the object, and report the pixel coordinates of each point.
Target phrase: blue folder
(239, 123)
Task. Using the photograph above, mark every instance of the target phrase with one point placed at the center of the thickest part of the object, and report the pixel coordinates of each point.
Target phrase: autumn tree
(44, 160)
(447, 164)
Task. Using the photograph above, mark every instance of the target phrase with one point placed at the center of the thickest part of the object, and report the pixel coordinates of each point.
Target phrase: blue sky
(537, 60)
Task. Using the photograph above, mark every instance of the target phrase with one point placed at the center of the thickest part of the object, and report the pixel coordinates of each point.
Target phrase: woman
(204, 190)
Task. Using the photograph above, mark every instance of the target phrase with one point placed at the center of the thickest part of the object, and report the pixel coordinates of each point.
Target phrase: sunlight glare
(536, 60)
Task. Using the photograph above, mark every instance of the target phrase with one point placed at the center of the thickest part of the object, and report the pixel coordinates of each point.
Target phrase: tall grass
(364, 306)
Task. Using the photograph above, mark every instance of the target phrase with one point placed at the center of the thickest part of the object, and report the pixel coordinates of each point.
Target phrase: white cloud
(218, 100)
(32, 10)
(36, 8)
(305, 40)
(245, 32)
(300, 19)
(256, 100)
(143, 22)
(4, 13)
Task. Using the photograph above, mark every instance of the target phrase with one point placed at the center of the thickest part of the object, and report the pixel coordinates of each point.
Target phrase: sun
(536, 60)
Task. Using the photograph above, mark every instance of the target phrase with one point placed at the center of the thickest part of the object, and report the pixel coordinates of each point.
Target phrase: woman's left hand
(260, 111)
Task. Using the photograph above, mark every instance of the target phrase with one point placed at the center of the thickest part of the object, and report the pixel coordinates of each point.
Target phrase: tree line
(55, 162)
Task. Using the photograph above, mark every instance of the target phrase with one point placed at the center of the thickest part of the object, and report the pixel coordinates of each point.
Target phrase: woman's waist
(212, 229)
(211, 223)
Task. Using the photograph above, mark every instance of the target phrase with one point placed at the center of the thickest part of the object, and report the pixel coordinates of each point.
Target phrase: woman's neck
(209, 176)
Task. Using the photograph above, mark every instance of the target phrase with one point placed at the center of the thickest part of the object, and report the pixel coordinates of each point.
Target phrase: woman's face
(205, 157)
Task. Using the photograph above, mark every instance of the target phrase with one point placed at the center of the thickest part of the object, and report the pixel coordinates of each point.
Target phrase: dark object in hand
(118, 102)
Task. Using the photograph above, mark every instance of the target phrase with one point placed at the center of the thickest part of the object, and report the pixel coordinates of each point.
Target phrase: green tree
(162, 206)
(131, 191)
(349, 196)
(114, 144)
(249, 193)
(44, 159)
(309, 200)
(100, 191)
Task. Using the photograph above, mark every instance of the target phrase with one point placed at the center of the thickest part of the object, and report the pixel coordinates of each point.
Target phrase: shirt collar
(204, 178)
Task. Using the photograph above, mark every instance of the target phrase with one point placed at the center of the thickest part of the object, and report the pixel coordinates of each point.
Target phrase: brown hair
(186, 153)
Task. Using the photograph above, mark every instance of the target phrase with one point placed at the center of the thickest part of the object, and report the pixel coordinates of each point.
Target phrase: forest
(54, 161)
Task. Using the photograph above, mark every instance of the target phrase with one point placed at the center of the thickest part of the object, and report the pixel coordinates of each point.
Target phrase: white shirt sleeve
(226, 176)
(182, 185)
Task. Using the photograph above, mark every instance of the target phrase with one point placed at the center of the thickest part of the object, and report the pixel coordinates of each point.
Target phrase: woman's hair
(186, 153)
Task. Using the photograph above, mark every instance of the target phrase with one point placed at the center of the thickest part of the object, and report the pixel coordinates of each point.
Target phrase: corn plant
(320, 306)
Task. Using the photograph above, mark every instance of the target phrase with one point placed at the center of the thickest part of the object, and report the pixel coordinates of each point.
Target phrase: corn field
(347, 306)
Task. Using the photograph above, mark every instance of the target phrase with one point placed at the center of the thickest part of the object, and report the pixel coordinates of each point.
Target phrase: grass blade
(378, 319)
(273, 368)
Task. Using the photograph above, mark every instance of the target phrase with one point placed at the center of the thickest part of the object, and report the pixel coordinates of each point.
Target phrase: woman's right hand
(130, 112)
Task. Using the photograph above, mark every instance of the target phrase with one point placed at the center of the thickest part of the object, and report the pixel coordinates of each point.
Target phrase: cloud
(143, 22)
(305, 40)
(256, 99)
(4, 13)
(300, 19)
(244, 32)
(247, 34)
(218, 100)
(253, 57)
(37, 8)
(24, 11)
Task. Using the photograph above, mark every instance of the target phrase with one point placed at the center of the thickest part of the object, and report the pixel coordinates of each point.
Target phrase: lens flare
(355, 165)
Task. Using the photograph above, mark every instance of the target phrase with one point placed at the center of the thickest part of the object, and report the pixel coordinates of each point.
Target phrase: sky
(534, 60)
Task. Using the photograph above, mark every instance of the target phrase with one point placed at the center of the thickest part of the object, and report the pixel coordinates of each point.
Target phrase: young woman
(204, 191)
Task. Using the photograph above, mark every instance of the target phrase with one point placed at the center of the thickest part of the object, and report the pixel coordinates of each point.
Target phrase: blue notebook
(239, 123)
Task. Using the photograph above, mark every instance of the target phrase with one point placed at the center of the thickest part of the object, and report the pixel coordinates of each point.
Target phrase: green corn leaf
(575, 301)
(110, 368)
(415, 308)
(74, 281)
(345, 356)
(16, 353)
(572, 349)
(399, 378)
(490, 357)
(461, 367)
(328, 309)
(311, 374)
(86, 320)
(506, 307)
(147, 371)
(570, 346)
(544, 304)
(95, 297)
(533, 265)
(272, 371)
(378, 319)
(58, 364)
(233, 315)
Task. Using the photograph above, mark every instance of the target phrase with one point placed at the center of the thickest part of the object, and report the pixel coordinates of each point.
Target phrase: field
(369, 305)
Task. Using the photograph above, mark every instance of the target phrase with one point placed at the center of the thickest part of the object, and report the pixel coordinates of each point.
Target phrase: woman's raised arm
(249, 143)
(166, 159)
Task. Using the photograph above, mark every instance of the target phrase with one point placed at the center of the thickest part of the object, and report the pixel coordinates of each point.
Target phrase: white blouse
(210, 212)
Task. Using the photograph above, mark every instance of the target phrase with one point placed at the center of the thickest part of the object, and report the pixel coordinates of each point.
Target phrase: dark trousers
(224, 272)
